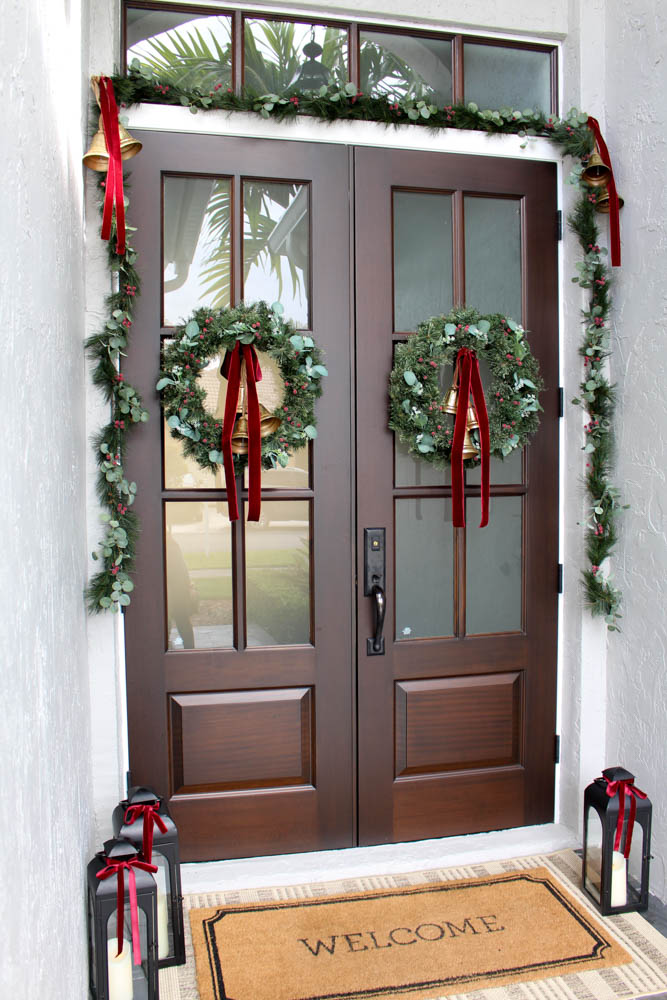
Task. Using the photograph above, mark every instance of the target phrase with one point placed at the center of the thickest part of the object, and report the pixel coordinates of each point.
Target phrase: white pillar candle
(120, 970)
(160, 877)
(619, 879)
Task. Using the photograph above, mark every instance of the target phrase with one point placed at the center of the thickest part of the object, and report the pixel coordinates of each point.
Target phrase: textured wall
(45, 810)
(637, 674)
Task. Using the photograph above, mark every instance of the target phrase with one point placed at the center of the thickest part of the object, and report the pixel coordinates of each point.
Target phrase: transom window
(209, 47)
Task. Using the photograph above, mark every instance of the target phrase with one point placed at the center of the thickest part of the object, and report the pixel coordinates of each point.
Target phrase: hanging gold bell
(268, 424)
(97, 157)
(602, 205)
(596, 172)
(452, 400)
(469, 449)
(472, 422)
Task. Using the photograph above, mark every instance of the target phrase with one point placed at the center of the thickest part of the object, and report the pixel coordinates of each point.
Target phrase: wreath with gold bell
(273, 376)
(463, 426)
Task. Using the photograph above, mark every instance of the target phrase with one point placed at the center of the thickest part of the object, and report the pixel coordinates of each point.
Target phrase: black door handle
(374, 584)
(375, 646)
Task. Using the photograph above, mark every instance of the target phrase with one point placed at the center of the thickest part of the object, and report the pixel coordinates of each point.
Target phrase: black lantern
(143, 819)
(313, 74)
(122, 925)
(617, 842)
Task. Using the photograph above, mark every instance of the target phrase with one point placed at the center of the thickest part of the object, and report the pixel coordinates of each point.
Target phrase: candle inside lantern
(120, 971)
(162, 907)
(619, 879)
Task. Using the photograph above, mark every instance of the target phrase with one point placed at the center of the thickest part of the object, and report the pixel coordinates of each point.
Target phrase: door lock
(374, 584)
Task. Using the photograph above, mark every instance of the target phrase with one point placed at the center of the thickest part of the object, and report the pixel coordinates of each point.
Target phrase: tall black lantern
(313, 74)
(143, 819)
(617, 842)
(122, 925)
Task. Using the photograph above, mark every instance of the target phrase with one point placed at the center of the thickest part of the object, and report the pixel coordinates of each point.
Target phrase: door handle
(374, 585)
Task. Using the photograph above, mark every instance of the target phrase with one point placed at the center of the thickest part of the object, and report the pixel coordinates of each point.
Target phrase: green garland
(111, 586)
(416, 409)
(211, 332)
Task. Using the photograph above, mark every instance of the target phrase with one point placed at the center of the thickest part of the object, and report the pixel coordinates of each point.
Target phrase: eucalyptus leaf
(173, 421)
(310, 431)
(192, 328)
(351, 89)
(409, 377)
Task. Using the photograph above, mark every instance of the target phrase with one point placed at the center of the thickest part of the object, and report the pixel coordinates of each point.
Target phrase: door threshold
(384, 859)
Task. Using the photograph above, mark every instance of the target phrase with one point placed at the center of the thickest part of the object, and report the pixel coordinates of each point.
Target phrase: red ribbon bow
(614, 220)
(113, 191)
(149, 810)
(469, 379)
(231, 369)
(117, 868)
(624, 788)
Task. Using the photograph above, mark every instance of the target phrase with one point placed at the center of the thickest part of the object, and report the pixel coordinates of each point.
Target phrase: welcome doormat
(243, 956)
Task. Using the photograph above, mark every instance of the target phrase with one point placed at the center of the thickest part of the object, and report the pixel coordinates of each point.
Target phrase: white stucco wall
(637, 128)
(46, 804)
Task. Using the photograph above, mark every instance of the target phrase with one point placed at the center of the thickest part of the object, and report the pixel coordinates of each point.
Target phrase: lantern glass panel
(126, 980)
(593, 858)
(635, 865)
(165, 932)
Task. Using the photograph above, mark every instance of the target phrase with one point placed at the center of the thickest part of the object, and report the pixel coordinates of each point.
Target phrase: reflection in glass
(277, 551)
(424, 568)
(184, 473)
(496, 77)
(493, 255)
(199, 575)
(276, 246)
(196, 245)
(182, 50)
(422, 257)
(275, 55)
(294, 476)
(593, 872)
(493, 567)
(409, 470)
(398, 66)
(501, 470)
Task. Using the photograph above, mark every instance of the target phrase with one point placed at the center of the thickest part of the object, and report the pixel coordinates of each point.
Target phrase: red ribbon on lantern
(231, 369)
(149, 810)
(469, 380)
(614, 219)
(117, 868)
(113, 190)
(624, 788)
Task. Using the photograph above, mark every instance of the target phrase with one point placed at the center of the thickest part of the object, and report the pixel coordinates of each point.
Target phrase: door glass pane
(277, 551)
(501, 470)
(196, 245)
(497, 77)
(199, 575)
(294, 476)
(424, 568)
(276, 57)
(184, 473)
(183, 50)
(399, 66)
(493, 255)
(493, 567)
(409, 470)
(276, 246)
(422, 257)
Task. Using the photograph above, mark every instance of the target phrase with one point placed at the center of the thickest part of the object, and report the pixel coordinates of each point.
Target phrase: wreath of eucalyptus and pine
(417, 404)
(209, 333)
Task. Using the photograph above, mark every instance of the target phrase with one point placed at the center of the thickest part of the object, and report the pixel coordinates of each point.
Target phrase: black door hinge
(560, 578)
(561, 401)
(559, 225)
(556, 749)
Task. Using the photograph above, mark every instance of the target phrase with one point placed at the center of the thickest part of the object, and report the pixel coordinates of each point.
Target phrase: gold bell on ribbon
(452, 400)
(268, 423)
(469, 448)
(97, 156)
(596, 172)
(603, 204)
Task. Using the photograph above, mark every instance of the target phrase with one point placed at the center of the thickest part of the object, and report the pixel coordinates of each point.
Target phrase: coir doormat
(420, 941)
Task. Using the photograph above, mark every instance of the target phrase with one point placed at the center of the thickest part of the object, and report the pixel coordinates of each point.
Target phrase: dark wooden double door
(253, 702)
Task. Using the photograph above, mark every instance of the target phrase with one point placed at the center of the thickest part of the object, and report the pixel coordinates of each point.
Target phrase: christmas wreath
(447, 428)
(249, 433)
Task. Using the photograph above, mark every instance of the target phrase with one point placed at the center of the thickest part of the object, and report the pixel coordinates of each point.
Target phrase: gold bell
(472, 422)
(452, 400)
(469, 449)
(268, 424)
(596, 172)
(97, 157)
(603, 204)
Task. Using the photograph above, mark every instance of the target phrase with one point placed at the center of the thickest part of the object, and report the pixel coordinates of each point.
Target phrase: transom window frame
(238, 16)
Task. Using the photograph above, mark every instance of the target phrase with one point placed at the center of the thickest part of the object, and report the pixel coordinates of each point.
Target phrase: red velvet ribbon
(113, 190)
(149, 810)
(117, 868)
(614, 220)
(231, 369)
(624, 788)
(469, 379)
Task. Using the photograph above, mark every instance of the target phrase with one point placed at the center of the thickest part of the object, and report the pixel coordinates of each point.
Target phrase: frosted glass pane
(275, 60)
(277, 550)
(493, 567)
(496, 77)
(276, 247)
(183, 50)
(493, 255)
(399, 66)
(424, 568)
(409, 470)
(196, 245)
(422, 257)
(199, 575)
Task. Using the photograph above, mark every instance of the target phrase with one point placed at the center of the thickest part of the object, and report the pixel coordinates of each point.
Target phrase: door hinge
(560, 578)
(559, 225)
(561, 401)
(556, 749)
